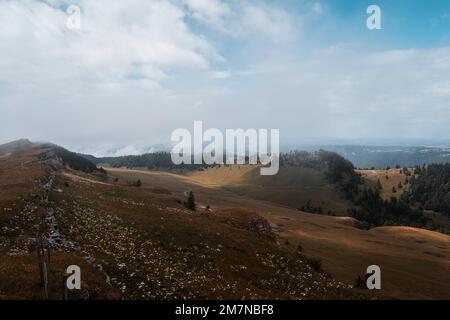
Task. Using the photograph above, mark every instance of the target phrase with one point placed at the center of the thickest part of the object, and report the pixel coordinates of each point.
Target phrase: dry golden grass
(150, 246)
(19, 277)
(292, 186)
(415, 263)
(153, 247)
(142, 243)
(21, 216)
(389, 179)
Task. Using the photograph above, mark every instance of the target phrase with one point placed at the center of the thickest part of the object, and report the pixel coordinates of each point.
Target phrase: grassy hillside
(394, 182)
(414, 261)
(74, 160)
(314, 182)
(15, 146)
(295, 187)
(423, 187)
(139, 242)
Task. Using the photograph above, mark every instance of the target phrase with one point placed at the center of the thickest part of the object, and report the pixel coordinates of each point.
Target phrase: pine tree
(190, 203)
(379, 185)
(360, 283)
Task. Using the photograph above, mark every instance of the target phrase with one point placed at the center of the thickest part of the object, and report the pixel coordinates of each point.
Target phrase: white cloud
(317, 7)
(441, 89)
(140, 40)
(244, 19)
(349, 92)
(222, 74)
(137, 71)
(271, 23)
(211, 12)
(105, 80)
(143, 39)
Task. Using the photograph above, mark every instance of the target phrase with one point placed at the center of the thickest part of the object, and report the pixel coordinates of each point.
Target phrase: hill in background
(135, 242)
(381, 157)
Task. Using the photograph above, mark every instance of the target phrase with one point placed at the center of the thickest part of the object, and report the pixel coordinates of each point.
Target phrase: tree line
(430, 188)
(369, 208)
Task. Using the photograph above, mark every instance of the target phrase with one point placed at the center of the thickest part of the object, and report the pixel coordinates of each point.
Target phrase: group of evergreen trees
(157, 160)
(149, 160)
(75, 161)
(369, 207)
(373, 211)
(430, 189)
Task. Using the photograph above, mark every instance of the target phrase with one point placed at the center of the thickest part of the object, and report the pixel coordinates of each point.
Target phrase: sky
(136, 70)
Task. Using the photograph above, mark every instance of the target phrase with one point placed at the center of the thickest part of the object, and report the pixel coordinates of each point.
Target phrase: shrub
(137, 183)
(315, 264)
(190, 203)
(360, 283)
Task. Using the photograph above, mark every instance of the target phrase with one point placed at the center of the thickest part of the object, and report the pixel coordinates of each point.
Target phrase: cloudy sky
(138, 69)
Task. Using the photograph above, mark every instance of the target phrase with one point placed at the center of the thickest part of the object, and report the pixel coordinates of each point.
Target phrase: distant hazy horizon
(115, 150)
